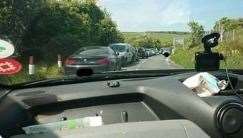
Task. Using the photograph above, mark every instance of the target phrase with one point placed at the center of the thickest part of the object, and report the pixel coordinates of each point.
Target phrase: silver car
(125, 51)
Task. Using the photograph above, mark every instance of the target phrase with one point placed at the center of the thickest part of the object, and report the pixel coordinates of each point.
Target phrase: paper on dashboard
(205, 84)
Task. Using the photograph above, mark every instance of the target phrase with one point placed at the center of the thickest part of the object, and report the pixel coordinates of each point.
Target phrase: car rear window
(118, 48)
(93, 51)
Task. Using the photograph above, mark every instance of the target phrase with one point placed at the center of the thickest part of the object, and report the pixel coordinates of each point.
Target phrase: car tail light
(70, 61)
(104, 61)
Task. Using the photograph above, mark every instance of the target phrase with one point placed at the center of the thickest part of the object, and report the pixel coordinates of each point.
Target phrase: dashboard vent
(230, 118)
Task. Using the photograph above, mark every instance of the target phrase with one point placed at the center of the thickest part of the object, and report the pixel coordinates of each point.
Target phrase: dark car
(167, 51)
(99, 59)
(142, 53)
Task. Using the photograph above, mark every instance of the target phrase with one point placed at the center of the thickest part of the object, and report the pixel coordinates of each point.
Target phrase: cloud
(147, 15)
(154, 15)
(177, 12)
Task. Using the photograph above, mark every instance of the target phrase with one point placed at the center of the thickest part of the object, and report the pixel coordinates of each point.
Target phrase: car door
(114, 59)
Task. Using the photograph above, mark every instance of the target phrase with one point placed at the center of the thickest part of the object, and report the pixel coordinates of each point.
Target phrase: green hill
(165, 37)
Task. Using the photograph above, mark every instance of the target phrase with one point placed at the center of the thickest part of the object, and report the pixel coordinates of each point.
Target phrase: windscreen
(43, 39)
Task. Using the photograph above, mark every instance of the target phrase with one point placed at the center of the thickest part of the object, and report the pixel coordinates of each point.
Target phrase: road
(157, 62)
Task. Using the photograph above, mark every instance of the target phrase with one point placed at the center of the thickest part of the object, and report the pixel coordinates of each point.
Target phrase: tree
(226, 26)
(197, 32)
(51, 27)
(16, 17)
(108, 32)
(145, 41)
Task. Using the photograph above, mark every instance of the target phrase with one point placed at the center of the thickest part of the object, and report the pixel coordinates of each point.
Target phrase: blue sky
(169, 15)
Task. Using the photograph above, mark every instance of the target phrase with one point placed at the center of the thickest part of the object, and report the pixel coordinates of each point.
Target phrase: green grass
(232, 50)
(42, 72)
(184, 57)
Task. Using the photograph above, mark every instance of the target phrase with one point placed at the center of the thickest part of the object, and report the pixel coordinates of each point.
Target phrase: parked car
(142, 53)
(148, 52)
(98, 58)
(167, 52)
(156, 51)
(124, 51)
(151, 52)
(161, 51)
(135, 53)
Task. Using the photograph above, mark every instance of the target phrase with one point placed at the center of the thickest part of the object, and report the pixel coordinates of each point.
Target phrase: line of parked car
(148, 52)
(109, 58)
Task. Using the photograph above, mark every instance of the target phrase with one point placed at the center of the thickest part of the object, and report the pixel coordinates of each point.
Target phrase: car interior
(131, 106)
(110, 93)
(161, 106)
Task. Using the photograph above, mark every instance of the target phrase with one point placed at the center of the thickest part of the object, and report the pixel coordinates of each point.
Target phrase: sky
(169, 15)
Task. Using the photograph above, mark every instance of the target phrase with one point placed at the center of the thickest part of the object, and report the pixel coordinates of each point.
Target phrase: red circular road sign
(9, 67)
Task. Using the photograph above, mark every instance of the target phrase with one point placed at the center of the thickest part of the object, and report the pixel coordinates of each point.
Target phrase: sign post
(31, 66)
(59, 61)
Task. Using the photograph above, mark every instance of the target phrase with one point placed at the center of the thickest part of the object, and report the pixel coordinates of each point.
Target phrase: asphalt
(157, 62)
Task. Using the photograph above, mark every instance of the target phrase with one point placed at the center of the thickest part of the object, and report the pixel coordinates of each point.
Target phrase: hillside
(164, 37)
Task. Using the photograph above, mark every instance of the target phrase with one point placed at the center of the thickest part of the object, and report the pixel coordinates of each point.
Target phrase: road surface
(157, 62)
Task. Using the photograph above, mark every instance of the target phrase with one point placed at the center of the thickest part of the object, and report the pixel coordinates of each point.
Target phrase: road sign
(6, 49)
(9, 67)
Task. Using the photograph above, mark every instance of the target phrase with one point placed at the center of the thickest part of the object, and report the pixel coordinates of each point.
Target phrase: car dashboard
(138, 107)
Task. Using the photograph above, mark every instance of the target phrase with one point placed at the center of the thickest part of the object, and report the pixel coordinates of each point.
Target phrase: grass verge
(41, 72)
(231, 50)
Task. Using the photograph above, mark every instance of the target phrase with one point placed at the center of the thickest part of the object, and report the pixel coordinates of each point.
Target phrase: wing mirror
(117, 53)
